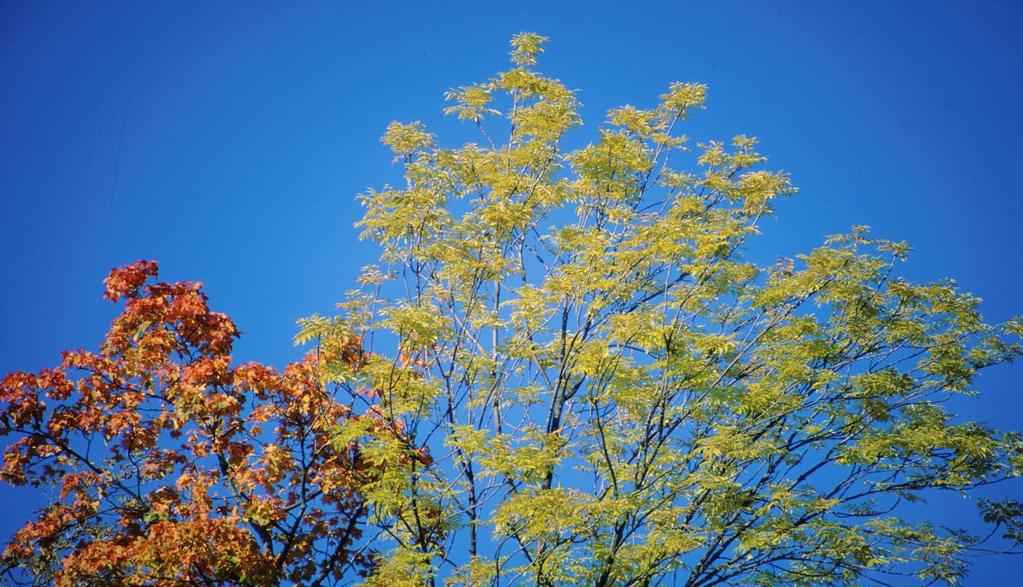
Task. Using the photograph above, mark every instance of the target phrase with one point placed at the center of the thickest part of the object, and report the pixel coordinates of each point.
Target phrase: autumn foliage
(171, 466)
(565, 369)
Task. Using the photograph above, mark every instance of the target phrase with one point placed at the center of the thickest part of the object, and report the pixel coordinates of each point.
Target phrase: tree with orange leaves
(174, 467)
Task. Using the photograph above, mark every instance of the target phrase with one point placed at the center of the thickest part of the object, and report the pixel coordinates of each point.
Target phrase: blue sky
(228, 142)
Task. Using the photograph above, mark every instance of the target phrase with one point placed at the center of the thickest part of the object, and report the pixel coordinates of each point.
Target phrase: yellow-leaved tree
(600, 390)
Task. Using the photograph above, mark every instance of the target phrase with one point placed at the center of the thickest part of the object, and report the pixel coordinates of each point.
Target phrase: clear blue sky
(228, 142)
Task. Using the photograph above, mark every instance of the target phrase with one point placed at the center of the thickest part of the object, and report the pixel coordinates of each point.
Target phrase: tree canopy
(562, 370)
(169, 466)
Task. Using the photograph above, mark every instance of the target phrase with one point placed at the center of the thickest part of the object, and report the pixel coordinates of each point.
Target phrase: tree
(571, 375)
(173, 467)
(613, 395)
